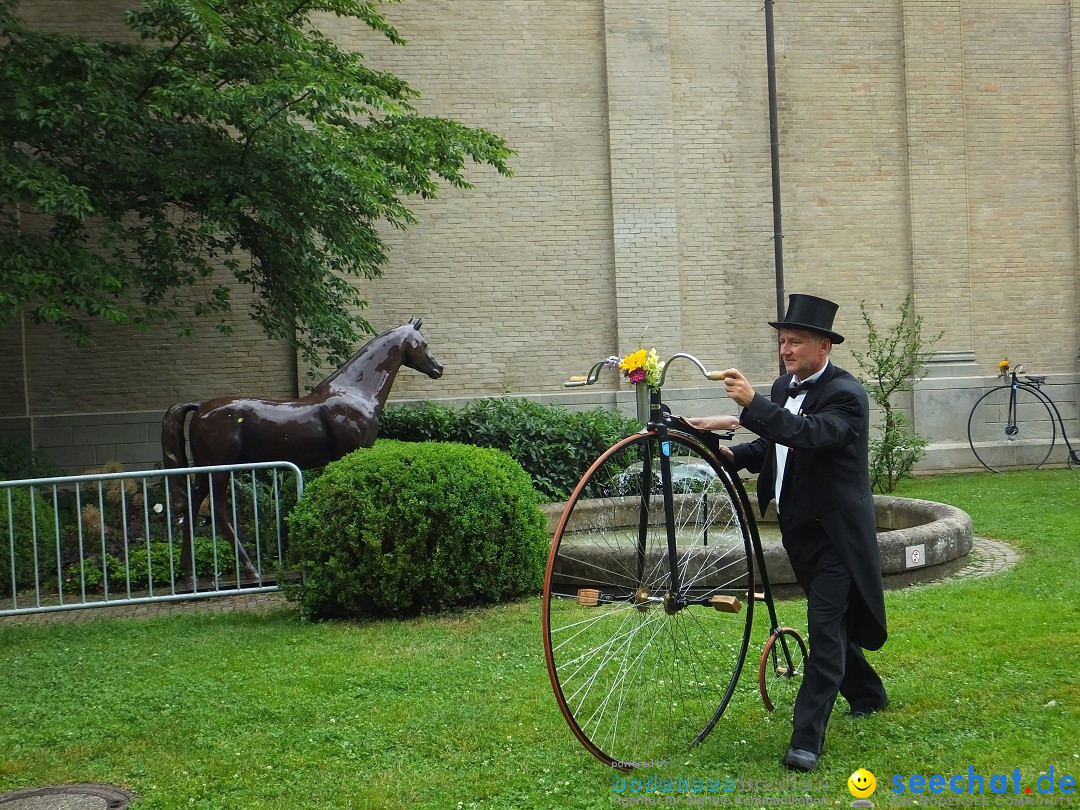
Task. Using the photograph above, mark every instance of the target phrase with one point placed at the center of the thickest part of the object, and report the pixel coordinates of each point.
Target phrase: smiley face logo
(861, 783)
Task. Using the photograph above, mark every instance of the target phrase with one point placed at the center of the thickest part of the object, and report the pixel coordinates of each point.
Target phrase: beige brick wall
(514, 277)
(723, 183)
(937, 169)
(1021, 169)
(926, 147)
(840, 78)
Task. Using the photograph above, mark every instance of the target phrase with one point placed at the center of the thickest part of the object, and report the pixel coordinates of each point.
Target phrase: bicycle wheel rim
(1011, 437)
(638, 683)
(780, 674)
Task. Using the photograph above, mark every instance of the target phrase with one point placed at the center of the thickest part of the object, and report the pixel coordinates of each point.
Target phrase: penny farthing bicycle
(1015, 425)
(654, 571)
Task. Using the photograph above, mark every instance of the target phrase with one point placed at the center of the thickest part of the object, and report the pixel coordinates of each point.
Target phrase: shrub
(555, 446)
(20, 521)
(262, 488)
(894, 362)
(144, 564)
(403, 528)
(18, 460)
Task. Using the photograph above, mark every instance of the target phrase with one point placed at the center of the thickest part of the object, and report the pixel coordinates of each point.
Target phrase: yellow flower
(632, 362)
(642, 366)
(1004, 363)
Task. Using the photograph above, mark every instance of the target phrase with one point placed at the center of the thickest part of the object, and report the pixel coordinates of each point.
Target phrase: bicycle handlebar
(594, 372)
(715, 376)
(1015, 375)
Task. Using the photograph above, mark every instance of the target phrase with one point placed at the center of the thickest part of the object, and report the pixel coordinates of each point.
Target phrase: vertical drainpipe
(25, 352)
(26, 380)
(774, 159)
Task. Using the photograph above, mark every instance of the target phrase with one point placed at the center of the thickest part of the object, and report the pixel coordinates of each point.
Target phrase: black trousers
(835, 664)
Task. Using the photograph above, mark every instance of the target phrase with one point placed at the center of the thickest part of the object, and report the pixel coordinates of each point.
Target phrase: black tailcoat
(826, 479)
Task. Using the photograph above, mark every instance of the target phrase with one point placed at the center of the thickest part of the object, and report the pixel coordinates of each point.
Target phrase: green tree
(893, 362)
(231, 138)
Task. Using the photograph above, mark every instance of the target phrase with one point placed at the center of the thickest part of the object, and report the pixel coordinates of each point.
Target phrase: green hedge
(555, 446)
(403, 528)
(17, 461)
(17, 522)
(151, 566)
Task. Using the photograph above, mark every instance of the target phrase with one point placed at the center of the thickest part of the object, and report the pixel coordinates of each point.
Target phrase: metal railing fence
(114, 538)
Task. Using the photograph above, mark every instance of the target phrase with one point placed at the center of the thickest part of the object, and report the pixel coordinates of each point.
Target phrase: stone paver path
(987, 557)
(250, 603)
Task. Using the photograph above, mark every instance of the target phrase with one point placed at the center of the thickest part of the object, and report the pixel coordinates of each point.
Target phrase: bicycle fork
(1010, 424)
(673, 603)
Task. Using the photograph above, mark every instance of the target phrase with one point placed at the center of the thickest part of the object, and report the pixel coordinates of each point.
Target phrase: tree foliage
(893, 362)
(230, 137)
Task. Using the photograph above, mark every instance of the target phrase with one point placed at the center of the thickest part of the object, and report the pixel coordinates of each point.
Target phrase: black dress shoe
(866, 712)
(799, 759)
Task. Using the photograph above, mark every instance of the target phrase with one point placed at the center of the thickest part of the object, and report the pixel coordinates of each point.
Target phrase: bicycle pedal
(726, 604)
(588, 597)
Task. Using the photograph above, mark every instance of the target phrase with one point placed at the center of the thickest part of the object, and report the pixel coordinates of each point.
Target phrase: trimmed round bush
(402, 528)
(17, 520)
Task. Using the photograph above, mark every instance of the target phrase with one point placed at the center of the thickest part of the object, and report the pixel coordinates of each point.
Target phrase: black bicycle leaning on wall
(1015, 425)
(650, 590)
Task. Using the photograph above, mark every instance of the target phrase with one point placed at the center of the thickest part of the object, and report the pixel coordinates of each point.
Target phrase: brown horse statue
(339, 416)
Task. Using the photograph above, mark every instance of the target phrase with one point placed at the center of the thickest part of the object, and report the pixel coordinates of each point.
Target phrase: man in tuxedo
(812, 456)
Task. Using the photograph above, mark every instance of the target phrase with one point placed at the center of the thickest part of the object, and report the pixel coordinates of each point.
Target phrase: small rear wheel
(642, 662)
(781, 669)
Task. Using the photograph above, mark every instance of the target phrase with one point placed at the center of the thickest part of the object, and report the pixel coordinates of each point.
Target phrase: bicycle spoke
(780, 673)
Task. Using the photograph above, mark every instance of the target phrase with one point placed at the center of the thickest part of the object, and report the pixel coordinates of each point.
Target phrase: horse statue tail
(172, 434)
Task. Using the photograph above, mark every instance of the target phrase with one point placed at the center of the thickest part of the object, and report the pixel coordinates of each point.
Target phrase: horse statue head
(415, 353)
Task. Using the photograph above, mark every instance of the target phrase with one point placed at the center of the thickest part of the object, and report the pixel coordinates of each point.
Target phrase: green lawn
(252, 711)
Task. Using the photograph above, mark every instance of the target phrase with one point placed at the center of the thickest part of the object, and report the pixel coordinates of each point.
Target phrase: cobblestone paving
(987, 557)
(245, 603)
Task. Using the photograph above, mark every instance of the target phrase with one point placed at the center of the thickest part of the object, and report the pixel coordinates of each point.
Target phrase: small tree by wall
(893, 362)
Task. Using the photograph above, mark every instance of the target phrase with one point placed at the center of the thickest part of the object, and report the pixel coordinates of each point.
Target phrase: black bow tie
(796, 388)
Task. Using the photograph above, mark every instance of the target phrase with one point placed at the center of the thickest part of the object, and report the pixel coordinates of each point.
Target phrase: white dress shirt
(794, 405)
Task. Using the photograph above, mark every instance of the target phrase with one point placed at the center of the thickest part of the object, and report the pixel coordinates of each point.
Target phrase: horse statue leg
(186, 496)
(189, 504)
(223, 521)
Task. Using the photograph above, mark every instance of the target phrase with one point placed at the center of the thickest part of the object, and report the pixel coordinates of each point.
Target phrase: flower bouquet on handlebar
(646, 372)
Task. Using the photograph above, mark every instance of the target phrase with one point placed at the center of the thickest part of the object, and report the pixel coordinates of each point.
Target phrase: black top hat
(811, 313)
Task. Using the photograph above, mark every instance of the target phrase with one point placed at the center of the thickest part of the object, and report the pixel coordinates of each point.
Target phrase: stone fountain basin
(919, 541)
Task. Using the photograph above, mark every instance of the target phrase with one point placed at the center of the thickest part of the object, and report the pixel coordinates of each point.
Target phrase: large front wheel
(1011, 428)
(643, 652)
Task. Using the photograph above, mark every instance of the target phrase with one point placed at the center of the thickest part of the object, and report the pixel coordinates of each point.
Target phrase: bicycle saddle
(709, 438)
(1035, 380)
